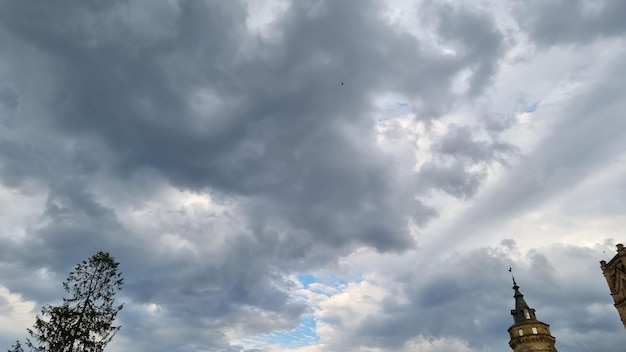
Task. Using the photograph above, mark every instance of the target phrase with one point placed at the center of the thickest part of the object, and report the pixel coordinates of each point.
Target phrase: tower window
(521, 332)
(526, 313)
(534, 330)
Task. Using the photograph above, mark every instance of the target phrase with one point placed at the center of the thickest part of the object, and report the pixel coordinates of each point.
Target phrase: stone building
(527, 333)
(615, 274)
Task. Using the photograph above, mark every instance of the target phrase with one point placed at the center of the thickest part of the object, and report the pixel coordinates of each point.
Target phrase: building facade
(615, 274)
(527, 333)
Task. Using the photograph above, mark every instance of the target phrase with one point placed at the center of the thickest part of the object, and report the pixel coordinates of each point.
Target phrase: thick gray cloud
(215, 160)
(460, 169)
(571, 22)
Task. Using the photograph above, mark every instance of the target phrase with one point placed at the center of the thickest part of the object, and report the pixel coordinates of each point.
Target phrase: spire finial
(513, 277)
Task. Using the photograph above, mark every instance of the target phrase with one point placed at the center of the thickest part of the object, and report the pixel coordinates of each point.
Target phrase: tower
(615, 274)
(527, 333)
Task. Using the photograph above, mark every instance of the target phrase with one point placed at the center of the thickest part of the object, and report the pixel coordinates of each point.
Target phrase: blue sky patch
(532, 107)
(303, 335)
(394, 109)
(307, 279)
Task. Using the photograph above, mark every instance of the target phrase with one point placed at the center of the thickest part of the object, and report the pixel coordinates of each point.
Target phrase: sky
(316, 175)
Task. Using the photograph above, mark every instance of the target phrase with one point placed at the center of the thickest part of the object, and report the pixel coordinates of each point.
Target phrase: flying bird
(342, 83)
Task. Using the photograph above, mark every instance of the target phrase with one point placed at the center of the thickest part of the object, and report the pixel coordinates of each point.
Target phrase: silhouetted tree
(84, 322)
(16, 348)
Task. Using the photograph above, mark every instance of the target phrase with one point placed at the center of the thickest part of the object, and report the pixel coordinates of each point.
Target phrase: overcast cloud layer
(316, 175)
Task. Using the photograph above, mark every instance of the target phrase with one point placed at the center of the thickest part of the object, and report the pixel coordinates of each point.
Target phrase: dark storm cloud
(571, 22)
(460, 167)
(453, 178)
(72, 226)
(274, 133)
(9, 102)
(472, 33)
(460, 143)
(108, 101)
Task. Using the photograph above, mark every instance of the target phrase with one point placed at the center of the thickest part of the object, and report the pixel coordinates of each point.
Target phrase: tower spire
(522, 311)
(512, 277)
(527, 333)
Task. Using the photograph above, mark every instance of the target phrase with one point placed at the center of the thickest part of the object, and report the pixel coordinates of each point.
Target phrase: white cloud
(16, 315)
